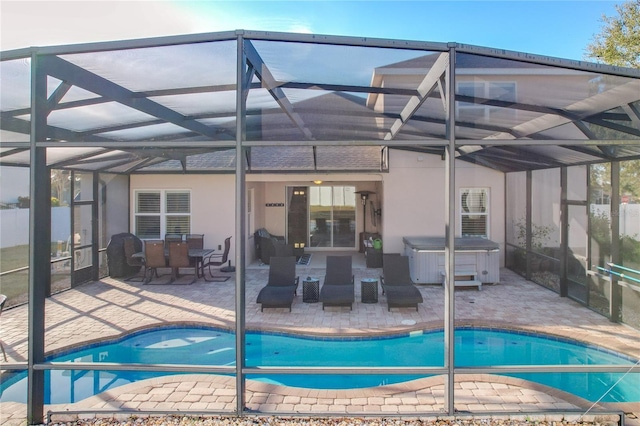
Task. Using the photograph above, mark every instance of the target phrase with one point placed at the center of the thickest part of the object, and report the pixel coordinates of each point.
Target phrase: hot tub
(472, 255)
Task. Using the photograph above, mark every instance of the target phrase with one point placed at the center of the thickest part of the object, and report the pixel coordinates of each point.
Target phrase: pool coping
(277, 399)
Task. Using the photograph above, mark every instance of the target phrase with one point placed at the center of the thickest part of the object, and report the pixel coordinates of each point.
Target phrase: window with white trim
(494, 90)
(158, 212)
(474, 212)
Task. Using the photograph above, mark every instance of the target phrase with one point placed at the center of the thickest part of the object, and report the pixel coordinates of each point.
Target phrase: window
(159, 212)
(494, 90)
(474, 212)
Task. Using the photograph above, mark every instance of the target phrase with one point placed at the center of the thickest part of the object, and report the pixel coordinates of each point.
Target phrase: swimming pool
(474, 347)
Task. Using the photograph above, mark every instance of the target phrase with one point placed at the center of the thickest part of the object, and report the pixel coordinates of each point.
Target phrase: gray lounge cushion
(281, 287)
(337, 295)
(403, 296)
(338, 288)
(276, 296)
(397, 284)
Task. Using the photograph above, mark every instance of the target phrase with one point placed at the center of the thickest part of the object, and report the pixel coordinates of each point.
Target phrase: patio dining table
(198, 254)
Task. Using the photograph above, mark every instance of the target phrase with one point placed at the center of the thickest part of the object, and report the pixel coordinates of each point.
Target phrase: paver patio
(110, 308)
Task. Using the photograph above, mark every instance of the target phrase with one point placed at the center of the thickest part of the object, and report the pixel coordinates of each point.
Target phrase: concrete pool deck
(110, 308)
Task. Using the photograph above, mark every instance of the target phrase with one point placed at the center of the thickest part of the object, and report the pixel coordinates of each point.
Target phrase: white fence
(14, 226)
(629, 217)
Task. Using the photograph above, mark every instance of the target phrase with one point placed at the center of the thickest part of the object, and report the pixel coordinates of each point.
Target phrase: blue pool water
(474, 347)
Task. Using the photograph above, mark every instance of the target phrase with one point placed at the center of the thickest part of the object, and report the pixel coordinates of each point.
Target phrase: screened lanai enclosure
(329, 142)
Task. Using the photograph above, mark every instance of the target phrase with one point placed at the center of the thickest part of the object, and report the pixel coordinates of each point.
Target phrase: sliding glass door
(332, 218)
(326, 215)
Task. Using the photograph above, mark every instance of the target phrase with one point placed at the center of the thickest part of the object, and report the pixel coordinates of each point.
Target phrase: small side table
(369, 290)
(310, 290)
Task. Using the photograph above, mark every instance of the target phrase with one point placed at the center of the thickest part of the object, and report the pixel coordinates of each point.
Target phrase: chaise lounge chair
(338, 288)
(397, 284)
(282, 284)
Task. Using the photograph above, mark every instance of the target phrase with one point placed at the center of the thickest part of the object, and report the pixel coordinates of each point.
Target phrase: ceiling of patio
(312, 103)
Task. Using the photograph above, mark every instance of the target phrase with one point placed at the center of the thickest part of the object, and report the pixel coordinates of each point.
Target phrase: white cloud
(46, 23)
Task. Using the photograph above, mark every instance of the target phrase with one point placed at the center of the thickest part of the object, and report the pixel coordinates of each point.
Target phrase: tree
(629, 181)
(618, 42)
(60, 185)
(24, 202)
(630, 178)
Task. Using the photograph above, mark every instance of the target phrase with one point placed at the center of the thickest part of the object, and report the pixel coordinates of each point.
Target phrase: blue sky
(561, 28)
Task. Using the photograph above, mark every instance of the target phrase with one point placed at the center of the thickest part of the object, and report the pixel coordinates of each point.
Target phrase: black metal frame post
(615, 304)
(564, 233)
(39, 242)
(241, 97)
(450, 229)
(95, 234)
(528, 224)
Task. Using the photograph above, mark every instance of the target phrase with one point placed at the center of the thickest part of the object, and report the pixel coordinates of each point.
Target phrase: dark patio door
(84, 257)
(297, 216)
(575, 223)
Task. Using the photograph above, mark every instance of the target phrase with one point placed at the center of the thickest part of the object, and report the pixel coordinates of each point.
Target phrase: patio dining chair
(172, 238)
(338, 288)
(3, 299)
(154, 258)
(218, 260)
(179, 258)
(194, 242)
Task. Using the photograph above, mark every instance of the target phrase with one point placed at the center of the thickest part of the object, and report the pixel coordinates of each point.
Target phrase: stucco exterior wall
(414, 198)
(212, 203)
(411, 196)
(117, 207)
